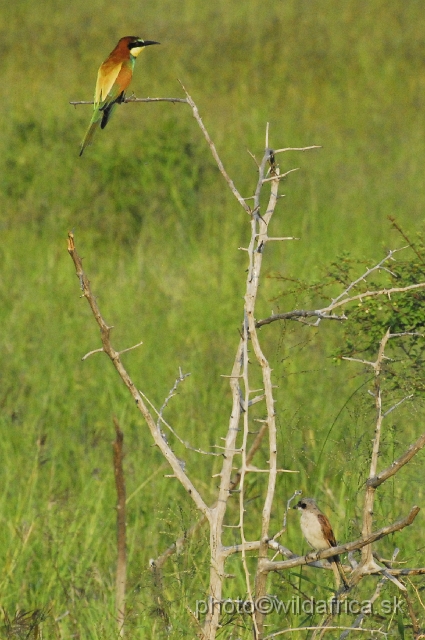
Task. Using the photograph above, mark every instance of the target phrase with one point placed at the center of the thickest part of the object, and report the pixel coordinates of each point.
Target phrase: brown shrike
(317, 530)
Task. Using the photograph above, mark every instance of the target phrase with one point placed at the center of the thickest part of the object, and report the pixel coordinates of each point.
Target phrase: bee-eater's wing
(105, 94)
(106, 77)
(112, 80)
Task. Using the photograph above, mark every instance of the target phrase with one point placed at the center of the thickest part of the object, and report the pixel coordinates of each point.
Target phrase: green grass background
(160, 232)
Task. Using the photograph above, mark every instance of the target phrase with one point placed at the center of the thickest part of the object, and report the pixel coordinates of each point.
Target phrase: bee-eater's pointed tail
(88, 138)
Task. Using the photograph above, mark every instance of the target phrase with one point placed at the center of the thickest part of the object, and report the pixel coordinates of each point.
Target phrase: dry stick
(162, 421)
(368, 563)
(253, 274)
(250, 298)
(367, 557)
(117, 446)
(370, 294)
(105, 331)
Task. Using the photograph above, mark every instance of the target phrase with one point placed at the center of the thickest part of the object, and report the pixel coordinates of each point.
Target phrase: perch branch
(132, 99)
(342, 548)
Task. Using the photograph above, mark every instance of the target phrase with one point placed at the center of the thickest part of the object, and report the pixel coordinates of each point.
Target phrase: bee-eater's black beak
(148, 42)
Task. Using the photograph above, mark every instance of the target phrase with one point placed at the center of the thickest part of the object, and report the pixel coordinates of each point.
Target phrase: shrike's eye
(303, 505)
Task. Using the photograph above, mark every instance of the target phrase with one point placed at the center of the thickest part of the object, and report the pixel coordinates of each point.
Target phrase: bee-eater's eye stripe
(137, 43)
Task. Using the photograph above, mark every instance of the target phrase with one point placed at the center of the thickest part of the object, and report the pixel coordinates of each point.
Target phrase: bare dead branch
(218, 511)
(243, 470)
(285, 516)
(368, 562)
(359, 360)
(402, 233)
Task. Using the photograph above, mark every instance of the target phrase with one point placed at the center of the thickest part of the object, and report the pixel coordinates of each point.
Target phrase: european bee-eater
(113, 78)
